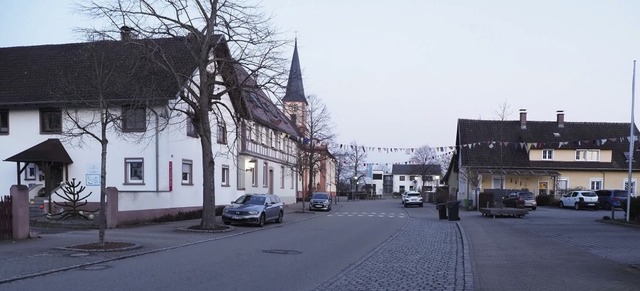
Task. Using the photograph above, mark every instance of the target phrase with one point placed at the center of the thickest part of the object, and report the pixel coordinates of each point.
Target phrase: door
(543, 188)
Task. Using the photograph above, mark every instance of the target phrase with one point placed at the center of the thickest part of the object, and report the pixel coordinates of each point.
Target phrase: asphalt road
(295, 256)
(553, 249)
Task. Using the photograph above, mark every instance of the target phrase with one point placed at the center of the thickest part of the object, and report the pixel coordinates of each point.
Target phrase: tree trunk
(208, 170)
(102, 216)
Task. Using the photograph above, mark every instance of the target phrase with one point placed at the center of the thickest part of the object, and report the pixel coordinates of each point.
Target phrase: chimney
(560, 118)
(523, 119)
(126, 33)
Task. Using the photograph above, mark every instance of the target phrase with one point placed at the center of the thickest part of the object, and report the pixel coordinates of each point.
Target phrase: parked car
(320, 201)
(611, 198)
(580, 199)
(521, 199)
(413, 198)
(256, 209)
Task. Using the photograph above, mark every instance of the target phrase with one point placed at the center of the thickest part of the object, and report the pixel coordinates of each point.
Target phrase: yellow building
(544, 157)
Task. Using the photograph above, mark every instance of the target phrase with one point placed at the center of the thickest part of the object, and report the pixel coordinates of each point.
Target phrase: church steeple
(295, 89)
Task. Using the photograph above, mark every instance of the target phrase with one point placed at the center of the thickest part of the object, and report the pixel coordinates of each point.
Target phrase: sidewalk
(38, 256)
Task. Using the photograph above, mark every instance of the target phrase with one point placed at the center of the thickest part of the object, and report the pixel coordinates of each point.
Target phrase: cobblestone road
(426, 254)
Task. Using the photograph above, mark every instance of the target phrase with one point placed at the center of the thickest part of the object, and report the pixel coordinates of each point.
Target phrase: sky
(399, 74)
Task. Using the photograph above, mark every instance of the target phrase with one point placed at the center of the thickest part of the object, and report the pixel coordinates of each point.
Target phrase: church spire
(295, 89)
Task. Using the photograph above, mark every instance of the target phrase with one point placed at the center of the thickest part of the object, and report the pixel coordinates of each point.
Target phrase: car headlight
(253, 212)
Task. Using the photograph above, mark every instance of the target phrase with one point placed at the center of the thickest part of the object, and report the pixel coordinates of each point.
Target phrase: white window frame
(187, 172)
(221, 134)
(31, 172)
(500, 181)
(254, 173)
(129, 171)
(595, 184)
(224, 179)
(587, 155)
(633, 185)
(265, 174)
(547, 154)
(292, 177)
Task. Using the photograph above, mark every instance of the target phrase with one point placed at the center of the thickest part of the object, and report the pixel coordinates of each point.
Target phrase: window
(4, 122)
(547, 154)
(269, 136)
(278, 142)
(587, 155)
(134, 173)
(30, 171)
(191, 128)
(265, 174)
(256, 133)
(50, 121)
(225, 176)
(497, 182)
(134, 119)
(596, 184)
(412, 178)
(281, 177)
(402, 178)
(254, 173)
(633, 185)
(187, 172)
(292, 177)
(222, 133)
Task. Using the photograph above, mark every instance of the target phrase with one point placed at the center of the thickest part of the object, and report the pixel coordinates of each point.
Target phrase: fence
(6, 218)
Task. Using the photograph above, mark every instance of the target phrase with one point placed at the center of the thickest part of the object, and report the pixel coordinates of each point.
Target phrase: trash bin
(442, 210)
(454, 208)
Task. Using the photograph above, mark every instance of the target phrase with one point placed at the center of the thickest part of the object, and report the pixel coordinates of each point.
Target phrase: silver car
(320, 201)
(256, 209)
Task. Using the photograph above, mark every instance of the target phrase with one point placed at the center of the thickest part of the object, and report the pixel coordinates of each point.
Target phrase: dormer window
(588, 155)
(547, 154)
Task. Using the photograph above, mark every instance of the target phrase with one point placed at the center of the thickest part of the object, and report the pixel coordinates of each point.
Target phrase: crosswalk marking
(368, 214)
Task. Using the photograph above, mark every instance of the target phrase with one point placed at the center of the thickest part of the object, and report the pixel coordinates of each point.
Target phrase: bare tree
(503, 112)
(342, 169)
(356, 157)
(426, 158)
(103, 100)
(225, 39)
(319, 132)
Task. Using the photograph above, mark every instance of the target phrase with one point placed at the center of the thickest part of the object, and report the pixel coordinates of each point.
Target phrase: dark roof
(119, 70)
(416, 169)
(504, 144)
(50, 150)
(260, 107)
(295, 89)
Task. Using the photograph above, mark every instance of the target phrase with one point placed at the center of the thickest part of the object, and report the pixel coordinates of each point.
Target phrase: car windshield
(620, 193)
(527, 196)
(320, 196)
(414, 194)
(589, 194)
(250, 199)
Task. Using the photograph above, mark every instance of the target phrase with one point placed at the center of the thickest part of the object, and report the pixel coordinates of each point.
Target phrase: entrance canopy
(50, 150)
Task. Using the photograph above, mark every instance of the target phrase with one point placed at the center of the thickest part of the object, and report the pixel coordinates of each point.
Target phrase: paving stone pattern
(425, 255)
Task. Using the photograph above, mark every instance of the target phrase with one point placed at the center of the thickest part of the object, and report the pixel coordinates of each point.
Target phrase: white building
(154, 157)
(422, 178)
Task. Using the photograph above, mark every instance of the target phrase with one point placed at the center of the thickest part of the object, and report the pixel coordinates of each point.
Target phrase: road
(379, 245)
(553, 249)
(295, 256)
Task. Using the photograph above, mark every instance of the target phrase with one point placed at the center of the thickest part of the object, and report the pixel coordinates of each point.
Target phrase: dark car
(320, 201)
(255, 209)
(522, 199)
(611, 198)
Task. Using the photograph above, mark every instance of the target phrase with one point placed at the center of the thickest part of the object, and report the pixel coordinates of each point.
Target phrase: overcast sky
(399, 74)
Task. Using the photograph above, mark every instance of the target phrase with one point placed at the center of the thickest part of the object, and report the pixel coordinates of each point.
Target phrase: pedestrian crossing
(368, 214)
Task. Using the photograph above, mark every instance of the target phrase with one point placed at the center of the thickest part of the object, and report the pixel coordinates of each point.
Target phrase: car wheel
(561, 204)
(533, 208)
(279, 220)
(226, 222)
(576, 206)
(421, 205)
(329, 209)
(261, 220)
(607, 206)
